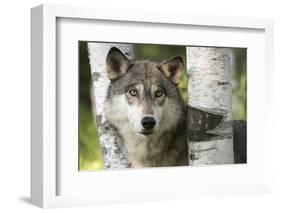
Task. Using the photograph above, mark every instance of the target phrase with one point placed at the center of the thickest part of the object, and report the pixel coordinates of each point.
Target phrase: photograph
(161, 105)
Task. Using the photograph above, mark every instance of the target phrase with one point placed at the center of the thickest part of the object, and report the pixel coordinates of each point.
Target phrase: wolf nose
(148, 122)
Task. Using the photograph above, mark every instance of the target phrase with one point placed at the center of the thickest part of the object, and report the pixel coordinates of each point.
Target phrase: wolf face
(145, 93)
(144, 105)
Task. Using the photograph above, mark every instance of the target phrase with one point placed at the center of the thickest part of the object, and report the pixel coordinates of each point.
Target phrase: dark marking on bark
(221, 83)
(96, 76)
(200, 121)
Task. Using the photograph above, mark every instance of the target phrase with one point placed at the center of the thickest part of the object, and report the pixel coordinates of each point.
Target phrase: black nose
(148, 122)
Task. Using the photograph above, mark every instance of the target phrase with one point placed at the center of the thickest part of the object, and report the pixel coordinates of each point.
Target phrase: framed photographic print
(131, 105)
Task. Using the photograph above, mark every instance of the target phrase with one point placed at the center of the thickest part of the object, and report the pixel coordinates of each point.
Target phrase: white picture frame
(45, 177)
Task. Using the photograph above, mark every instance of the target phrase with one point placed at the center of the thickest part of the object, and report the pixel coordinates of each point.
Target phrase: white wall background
(15, 104)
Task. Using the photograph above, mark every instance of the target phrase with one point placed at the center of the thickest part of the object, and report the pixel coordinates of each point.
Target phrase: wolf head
(143, 97)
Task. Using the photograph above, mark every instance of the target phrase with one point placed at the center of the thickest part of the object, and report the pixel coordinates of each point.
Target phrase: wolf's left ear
(172, 68)
(116, 63)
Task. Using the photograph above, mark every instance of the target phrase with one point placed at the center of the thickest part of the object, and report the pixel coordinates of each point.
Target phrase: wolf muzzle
(148, 123)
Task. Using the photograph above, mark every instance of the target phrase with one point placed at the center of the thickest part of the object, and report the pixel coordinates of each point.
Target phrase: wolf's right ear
(116, 63)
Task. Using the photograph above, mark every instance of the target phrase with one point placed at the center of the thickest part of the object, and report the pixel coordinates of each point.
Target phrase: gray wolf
(144, 105)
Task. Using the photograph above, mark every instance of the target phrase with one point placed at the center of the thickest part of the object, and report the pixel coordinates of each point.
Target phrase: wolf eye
(133, 92)
(159, 93)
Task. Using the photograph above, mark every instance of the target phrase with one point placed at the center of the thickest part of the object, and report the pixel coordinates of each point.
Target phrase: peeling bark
(112, 154)
(209, 89)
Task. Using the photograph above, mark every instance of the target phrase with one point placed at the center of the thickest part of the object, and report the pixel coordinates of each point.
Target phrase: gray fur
(166, 145)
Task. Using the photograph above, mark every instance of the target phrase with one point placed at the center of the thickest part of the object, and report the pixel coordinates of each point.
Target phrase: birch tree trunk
(209, 90)
(112, 154)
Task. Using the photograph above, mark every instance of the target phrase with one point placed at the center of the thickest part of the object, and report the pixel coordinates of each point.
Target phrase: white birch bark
(209, 88)
(112, 155)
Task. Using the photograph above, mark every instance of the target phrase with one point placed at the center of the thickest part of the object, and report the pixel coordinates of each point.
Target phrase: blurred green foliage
(239, 84)
(89, 147)
(90, 154)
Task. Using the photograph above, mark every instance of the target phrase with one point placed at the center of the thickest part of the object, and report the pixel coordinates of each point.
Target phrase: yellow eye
(159, 93)
(133, 92)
